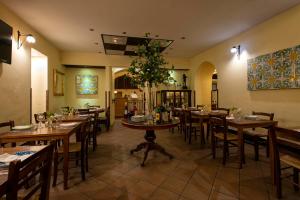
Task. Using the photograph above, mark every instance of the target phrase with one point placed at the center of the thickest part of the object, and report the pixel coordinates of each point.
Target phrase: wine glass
(40, 119)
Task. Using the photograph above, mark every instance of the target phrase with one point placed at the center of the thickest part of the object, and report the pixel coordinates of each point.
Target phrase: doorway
(204, 88)
(39, 83)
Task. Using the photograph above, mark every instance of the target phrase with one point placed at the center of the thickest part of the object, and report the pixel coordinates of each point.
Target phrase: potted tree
(149, 70)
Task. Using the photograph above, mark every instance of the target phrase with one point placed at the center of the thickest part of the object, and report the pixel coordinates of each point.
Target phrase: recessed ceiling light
(183, 38)
(91, 29)
(124, 32)
(115, 40)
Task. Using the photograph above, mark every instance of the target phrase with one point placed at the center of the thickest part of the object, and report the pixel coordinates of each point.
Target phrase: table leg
(66, 161)
(150, 145)
(241, 147)
(202, 132)
(272, 156)
(190, 134)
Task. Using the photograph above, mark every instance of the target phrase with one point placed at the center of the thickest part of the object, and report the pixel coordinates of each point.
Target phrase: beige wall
(78, 101)
(15, 78)
(277, 33)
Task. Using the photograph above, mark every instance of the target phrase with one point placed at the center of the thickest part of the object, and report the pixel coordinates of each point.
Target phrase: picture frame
(58, 83)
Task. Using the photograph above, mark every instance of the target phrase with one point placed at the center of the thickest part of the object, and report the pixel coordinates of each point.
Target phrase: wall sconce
(29, 39)
(236, 50)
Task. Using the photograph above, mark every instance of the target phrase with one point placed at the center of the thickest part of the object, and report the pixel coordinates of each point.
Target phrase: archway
(204, 83)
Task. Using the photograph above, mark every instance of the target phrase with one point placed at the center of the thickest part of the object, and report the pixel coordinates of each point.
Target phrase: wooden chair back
(9, 124)
(276, 145)
(225, 110)
(36, 116)
(94, 106)
(287, 135)
(83, 111)
(84, 133)
(218, 124)
(264, 115)
(269, 116)
(20, 173)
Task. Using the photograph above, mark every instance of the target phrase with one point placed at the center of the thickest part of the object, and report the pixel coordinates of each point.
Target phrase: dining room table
(246, 123)
(150, 137)
(239, 124)
(62, 132)
(14, 151)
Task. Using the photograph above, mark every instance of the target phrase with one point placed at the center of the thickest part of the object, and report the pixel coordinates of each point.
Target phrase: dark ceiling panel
(116, 43)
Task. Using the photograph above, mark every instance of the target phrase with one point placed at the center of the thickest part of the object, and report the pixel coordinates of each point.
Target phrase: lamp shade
(30, 39)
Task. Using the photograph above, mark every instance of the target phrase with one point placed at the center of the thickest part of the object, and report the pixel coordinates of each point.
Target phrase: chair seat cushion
(73, 148)
(230, 136)
(256, 132)
(291, 160)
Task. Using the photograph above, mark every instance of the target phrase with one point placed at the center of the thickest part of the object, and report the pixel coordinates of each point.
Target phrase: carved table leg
(139, 147)
(150, 145)
(162, 151)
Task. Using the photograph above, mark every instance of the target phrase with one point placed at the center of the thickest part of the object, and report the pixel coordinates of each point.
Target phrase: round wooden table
(150, 136)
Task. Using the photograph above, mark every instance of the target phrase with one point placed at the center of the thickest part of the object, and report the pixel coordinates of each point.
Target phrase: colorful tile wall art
(278, 70)
(86, 85)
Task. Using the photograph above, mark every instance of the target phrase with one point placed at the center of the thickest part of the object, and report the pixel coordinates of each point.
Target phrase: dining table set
(277, 137)
(22, 142)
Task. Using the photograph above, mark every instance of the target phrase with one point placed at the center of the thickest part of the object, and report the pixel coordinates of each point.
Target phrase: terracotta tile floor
(114, 174)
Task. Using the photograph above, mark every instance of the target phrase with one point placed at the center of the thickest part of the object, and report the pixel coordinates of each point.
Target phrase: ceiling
(203, 23)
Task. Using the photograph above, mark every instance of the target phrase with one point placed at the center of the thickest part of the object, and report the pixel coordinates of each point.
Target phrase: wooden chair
(180, 115)
(20, 173)
(225, 110)
(285, 154)
(77, 148)
(219, 132)
(192, 125)
(94, 129)
(9, 124)
(106, 119)
(257, 136)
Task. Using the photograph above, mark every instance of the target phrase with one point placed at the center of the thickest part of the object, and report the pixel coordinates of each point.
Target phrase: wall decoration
(278, 70)
(86, 84)
(58, 83)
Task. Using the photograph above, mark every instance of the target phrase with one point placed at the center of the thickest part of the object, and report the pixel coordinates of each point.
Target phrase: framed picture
(86, 84)
(58, 83)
